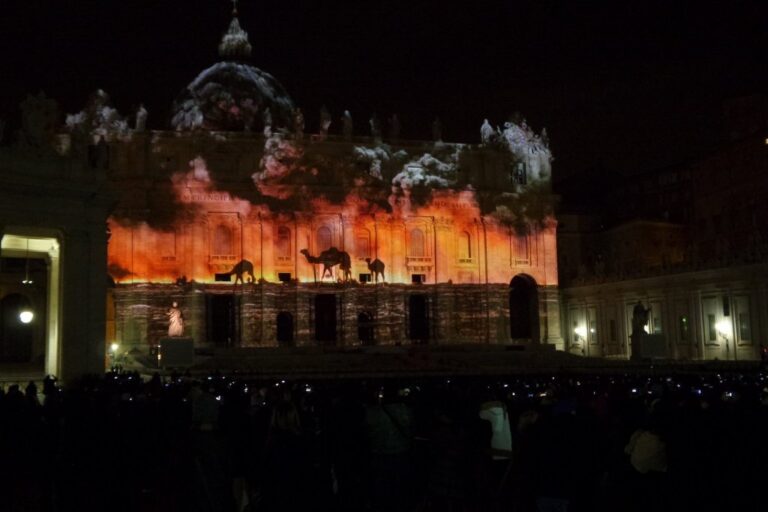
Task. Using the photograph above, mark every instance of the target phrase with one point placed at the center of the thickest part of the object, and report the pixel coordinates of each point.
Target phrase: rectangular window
(283, 246)
(656, 327)
(363, 246)
(365, 278)
(745, 331)
(520, 249)
(284, 277)
(711, 329)
(418, 278)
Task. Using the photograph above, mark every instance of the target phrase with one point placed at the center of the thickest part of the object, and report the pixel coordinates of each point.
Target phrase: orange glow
(446, 239)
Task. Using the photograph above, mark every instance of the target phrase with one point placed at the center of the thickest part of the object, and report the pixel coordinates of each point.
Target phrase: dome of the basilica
(232, 95)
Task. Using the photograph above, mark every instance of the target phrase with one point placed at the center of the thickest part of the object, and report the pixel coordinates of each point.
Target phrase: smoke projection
(209, 201)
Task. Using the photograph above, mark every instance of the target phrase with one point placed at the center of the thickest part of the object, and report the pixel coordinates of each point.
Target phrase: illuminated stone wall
(196, 205)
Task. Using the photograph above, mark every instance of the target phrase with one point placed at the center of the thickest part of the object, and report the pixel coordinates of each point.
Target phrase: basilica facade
(267, 235)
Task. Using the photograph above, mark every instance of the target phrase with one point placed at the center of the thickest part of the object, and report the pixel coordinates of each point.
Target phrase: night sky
(622, 85)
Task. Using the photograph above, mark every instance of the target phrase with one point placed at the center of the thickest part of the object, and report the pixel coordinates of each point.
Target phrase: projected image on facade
(266, 232)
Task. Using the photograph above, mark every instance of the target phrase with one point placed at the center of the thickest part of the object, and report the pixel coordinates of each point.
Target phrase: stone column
(444, 257)
(549, 317)
(84, 270)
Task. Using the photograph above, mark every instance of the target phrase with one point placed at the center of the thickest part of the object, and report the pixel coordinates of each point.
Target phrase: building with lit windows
(690, 242)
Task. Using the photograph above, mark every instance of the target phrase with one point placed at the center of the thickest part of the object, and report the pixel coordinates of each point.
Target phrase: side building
(689, 242)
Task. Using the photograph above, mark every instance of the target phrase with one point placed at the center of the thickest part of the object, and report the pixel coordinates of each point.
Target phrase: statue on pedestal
(639, 321)
(175, 321)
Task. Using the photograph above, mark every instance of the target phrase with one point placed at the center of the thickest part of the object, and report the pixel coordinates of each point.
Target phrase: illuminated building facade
(237, 213)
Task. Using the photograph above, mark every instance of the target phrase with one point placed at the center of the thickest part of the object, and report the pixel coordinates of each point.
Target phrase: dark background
(623, 85)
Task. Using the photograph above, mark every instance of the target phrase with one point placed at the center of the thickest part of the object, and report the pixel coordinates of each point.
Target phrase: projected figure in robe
(175, 321)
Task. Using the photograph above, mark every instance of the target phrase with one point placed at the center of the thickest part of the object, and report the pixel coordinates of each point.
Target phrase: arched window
(416, 246)
(363, 244)
(465, 246)
(324, 240)
(283, 248)
(523, 308)
(222, 241)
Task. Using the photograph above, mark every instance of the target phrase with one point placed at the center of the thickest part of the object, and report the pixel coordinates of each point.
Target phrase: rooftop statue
(298, 124)
(486, 132)
(375, 127)
(266, 117)
(141, 119)
(325, 121)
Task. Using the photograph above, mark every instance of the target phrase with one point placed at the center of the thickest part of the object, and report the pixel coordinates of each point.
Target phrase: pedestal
(178, 352)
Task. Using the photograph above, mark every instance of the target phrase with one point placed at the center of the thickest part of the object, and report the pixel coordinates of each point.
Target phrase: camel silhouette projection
(330, 258)
(376, 267)
(242, 267)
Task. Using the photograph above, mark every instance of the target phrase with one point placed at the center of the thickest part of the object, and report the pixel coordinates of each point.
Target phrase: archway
(30, 268)
(284, 328)
(523, 308)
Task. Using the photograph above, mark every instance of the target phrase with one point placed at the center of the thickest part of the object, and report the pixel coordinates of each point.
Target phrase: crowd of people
(565, 442)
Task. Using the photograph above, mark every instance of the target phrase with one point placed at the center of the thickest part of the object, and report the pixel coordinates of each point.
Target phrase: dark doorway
(284, 328)
(325, 318)
(15, 337)
(365, 328)
(523, 308)
(418, 318)
(221, 320)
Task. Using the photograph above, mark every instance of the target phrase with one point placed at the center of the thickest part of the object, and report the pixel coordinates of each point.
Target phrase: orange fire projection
(446, 239)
